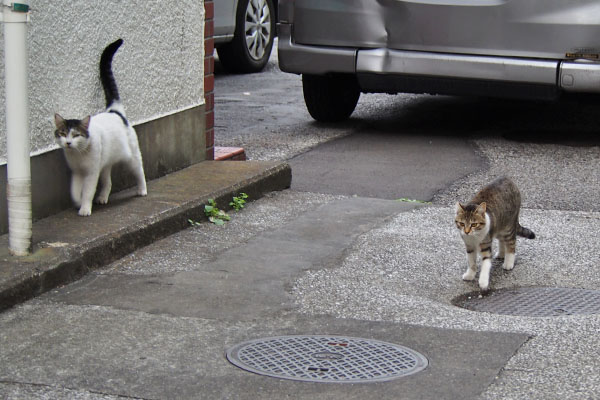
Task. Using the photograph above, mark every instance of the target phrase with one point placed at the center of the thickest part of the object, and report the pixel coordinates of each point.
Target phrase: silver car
(528, 49)
(244, 32)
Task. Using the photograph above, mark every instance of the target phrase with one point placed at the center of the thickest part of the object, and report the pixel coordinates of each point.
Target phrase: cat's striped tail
(111, 93)
(525, 232)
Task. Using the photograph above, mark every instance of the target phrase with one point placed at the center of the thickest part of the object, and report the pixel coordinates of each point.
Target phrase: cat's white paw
(102, 199)
(509, 262)
(142, 192)
(469, 275)
(499, 256)
(85, 211)
(484, 283)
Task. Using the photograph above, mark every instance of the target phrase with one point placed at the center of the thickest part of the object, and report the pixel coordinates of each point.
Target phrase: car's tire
(250, 49)
(330, 98)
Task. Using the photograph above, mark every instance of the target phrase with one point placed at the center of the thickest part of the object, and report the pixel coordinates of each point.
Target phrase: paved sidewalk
(156, 324)
(66, 246)
(137, 331)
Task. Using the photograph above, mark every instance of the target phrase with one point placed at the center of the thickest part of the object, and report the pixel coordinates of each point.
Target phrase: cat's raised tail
(525, 232)
(111, 93)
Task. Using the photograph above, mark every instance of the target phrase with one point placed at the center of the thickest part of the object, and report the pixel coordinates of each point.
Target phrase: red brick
(209, 29)
(229, 154)
(209, 46)
(210, 138)
(210, 153)
(209, 65)
(210, 120)
(209, 83)
(209, 79)
(209, 9)
(209, 101)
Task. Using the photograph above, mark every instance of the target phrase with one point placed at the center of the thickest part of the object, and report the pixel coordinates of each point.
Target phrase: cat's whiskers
(83, 150)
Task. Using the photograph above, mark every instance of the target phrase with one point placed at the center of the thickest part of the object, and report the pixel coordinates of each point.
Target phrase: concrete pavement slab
(394, 281)
(189, 249)
(386, 165)
(12, 391)
(250, 280)
(66, 246)
(133, 354)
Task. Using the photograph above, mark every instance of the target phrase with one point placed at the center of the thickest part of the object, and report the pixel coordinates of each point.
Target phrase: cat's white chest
(471, 240)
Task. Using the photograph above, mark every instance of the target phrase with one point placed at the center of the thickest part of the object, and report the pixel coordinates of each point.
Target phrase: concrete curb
(66, 247)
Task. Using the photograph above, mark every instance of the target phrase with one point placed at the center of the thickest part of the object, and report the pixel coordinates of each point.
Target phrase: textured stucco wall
(159, 69)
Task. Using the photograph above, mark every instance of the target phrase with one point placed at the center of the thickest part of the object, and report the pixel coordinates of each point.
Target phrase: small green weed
(194, 223)
(218, 216)
(405, 200)
(239, 201)
(214, 214)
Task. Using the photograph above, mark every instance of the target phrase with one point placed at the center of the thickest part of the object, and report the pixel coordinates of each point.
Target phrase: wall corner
(209, 77)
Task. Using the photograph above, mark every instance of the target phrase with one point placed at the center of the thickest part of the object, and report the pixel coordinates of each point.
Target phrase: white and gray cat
(94, 144)
(492, 214)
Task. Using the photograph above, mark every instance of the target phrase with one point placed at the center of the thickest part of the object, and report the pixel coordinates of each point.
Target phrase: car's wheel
(330, 98)
(250, 49)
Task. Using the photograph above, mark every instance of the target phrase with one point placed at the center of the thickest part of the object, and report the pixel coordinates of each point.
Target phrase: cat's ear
(85, 123)
(459, 208)
(59, 121)
(481, 208)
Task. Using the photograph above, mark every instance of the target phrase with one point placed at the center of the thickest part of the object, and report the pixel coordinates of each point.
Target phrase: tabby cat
(94, 144)
(492, 214)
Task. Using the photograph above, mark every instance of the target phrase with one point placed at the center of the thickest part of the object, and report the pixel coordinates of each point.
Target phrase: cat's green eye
(475, 225)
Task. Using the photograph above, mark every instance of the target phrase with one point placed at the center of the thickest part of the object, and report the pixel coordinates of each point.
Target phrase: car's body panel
(317, 60)
(527, 48)
(583, 76)
(224, 21)
(460, 66)
(514, 28)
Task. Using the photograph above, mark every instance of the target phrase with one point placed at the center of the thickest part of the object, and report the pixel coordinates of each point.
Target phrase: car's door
(520, 28)
(224, 22)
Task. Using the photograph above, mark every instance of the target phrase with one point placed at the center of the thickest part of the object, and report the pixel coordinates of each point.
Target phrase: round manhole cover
(326, 359)
(535, 302)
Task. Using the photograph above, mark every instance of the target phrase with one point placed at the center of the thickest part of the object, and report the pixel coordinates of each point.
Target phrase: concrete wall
(159, 68)
(160, 72)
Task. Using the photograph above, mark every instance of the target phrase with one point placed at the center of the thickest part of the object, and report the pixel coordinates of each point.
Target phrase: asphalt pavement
(155, 320)
(156, 324)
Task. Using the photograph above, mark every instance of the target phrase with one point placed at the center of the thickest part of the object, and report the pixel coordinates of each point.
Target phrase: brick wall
(209, 78)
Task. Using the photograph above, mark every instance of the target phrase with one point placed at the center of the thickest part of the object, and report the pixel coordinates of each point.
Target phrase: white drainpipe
(15, 16)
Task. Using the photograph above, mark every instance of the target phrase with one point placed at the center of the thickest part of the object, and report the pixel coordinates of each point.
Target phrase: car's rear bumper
(387, 70)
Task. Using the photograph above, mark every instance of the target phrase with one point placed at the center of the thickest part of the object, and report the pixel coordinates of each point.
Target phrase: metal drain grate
(536, 302)
(326, 359)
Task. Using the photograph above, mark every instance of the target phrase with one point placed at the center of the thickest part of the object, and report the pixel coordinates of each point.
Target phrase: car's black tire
(240, 56)
(330, 98)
